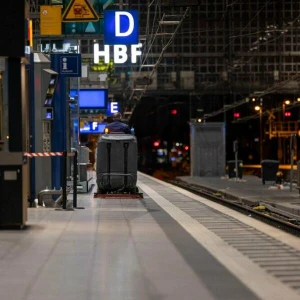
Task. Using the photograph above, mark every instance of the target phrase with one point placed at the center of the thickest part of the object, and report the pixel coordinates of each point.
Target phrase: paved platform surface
(170, 245)
(251, 190)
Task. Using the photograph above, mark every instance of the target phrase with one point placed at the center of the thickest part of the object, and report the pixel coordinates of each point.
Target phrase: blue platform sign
(93, 127)
(113, 107)
(121, 27)
(68, 64)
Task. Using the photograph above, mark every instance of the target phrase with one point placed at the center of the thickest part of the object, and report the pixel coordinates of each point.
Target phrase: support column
(58, 132)
(14, 88)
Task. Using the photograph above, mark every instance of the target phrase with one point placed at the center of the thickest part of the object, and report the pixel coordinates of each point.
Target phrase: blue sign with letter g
(121, 27)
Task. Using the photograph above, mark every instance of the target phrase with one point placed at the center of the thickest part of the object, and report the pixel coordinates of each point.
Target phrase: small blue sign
(121, 27)
(68, 64)
(113, 107)
(93, 127)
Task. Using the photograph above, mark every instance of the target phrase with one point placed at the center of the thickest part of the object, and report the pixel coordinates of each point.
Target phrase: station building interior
(208, 61)
(201, 200)
(201, 62)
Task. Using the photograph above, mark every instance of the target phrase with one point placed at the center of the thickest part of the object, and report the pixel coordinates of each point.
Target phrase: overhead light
(298, 99)
(147, 66)
(287, 102)
(257, 108)
(168, 22)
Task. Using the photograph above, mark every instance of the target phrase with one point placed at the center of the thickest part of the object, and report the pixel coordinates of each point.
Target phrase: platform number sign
(121, 27)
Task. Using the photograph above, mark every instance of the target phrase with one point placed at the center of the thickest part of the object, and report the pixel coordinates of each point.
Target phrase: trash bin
(269, 168)
(231, 169)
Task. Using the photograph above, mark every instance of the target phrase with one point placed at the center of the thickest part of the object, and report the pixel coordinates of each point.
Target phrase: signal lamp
(236, 115)
(287, 114)
(156, 144)
(174, 112)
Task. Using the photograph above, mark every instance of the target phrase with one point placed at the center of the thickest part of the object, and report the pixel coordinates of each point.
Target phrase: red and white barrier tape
(42, 154)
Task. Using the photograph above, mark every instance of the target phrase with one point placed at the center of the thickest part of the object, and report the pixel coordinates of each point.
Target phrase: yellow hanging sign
(50, 16)
(80, 11)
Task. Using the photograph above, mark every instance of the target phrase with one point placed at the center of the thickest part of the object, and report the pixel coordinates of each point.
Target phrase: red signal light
(186, 148)
(287, 114)
(236, 115)
(156, 144)
(174, 112)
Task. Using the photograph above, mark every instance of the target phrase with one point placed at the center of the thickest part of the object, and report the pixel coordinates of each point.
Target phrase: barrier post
(235, 149)
(293, 147)
(75, 171)
(64, 179)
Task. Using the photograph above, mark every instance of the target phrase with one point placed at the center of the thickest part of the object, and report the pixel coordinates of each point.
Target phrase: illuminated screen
(48, 102)
(93, 128)
(49, 114)
(92, 98)
(73, 93)
(50, 91)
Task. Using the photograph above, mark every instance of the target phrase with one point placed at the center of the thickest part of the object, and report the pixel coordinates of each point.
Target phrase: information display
(91, 98)
(50, 91)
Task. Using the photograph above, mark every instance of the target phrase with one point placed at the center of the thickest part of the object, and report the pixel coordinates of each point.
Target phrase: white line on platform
(271, 231)
(255, 278)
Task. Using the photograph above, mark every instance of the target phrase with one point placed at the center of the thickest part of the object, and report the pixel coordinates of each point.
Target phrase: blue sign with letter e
(121, 27)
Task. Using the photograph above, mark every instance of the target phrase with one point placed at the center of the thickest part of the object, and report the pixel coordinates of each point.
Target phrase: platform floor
(170, 245)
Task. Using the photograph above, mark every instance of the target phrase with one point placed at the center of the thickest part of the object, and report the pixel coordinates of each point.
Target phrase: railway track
(265, 214)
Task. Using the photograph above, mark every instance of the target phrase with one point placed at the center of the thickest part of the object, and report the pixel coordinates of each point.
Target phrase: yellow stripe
(281, 167)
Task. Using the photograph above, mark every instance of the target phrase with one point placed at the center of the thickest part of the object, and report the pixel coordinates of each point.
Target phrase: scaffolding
(282, 129)
(220, 48)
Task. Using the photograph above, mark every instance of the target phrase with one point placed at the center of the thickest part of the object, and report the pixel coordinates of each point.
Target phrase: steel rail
(230, 201)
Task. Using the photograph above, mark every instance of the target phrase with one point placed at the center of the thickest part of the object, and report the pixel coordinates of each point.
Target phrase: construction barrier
(64, 156)
(47, 154)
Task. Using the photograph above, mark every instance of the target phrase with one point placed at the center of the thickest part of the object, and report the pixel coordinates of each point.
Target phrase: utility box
(208, 149)
(14, 190)
(41, 168)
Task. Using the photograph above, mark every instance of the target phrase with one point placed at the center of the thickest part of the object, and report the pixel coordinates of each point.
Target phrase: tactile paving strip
(277, 258)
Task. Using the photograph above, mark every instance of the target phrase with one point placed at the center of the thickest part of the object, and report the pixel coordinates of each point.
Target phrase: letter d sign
(121, 27)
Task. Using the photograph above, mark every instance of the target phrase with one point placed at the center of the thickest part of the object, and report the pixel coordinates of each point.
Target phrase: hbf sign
(120, 53)
(121, 27)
